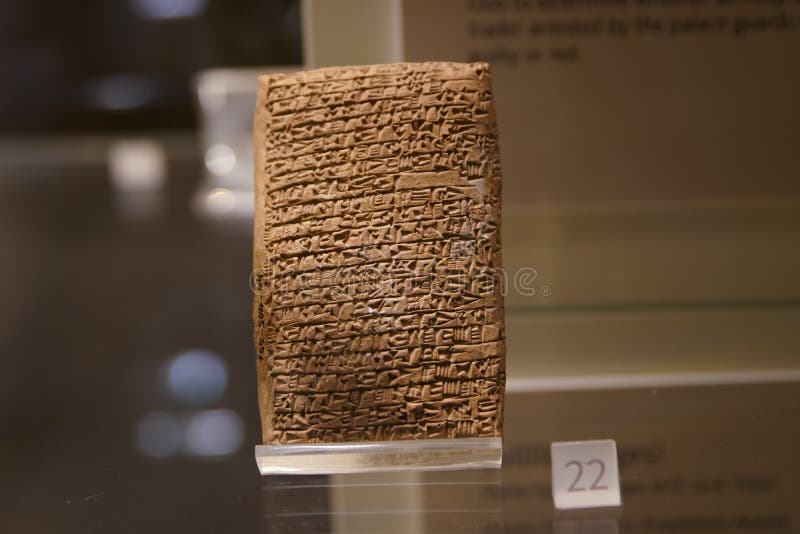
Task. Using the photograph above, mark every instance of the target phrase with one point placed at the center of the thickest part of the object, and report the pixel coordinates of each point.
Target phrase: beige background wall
(669, 115)
(652, 181)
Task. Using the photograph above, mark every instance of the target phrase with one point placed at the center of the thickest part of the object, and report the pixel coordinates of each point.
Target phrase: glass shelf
(357, 457)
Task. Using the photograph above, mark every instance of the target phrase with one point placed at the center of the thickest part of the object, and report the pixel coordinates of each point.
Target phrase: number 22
(596, 484)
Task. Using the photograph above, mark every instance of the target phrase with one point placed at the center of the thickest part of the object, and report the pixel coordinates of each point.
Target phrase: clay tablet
(378, 310)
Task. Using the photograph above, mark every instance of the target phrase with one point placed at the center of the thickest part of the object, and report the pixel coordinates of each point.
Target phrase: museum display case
(649, 242)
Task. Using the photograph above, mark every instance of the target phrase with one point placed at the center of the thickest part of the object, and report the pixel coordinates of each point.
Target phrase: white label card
(585, 474)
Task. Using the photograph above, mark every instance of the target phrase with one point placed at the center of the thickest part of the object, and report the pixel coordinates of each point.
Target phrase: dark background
(100, 65)
(95, 302)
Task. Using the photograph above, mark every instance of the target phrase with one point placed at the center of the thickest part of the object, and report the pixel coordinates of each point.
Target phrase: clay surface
(378, 309)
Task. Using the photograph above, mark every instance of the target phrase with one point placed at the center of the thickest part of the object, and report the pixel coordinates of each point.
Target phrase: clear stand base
(360, 457)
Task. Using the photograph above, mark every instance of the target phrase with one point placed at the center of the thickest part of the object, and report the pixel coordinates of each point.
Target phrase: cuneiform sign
(378, 309)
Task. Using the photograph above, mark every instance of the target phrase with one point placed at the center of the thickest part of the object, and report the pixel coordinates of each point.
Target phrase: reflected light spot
(168, 9)
(122, 92)
(220, 201)
(197, 377)
(220, 159)
(214, 433)
(159, 435)
(212, 93)
(137, 165)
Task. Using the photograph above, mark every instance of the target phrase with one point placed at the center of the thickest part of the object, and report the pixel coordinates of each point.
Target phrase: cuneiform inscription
(378, 313)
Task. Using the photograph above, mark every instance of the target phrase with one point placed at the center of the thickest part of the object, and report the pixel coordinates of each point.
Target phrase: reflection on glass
(598, 521)
(159, 435)
(168, 9)
(121, 92)
(402, 502)
(196, 377)
(203, 433)
(137, 165)
(137, 169)
(214, 433)
(225, 102)
(220, 159)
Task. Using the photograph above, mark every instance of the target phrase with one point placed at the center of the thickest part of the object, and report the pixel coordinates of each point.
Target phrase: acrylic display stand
(358, 457)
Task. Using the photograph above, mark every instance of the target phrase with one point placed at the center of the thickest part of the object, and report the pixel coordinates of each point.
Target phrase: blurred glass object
(137, 165)
(220, 159)
(225, 102)
(138, 170)
(222, 202)
(226, 99)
